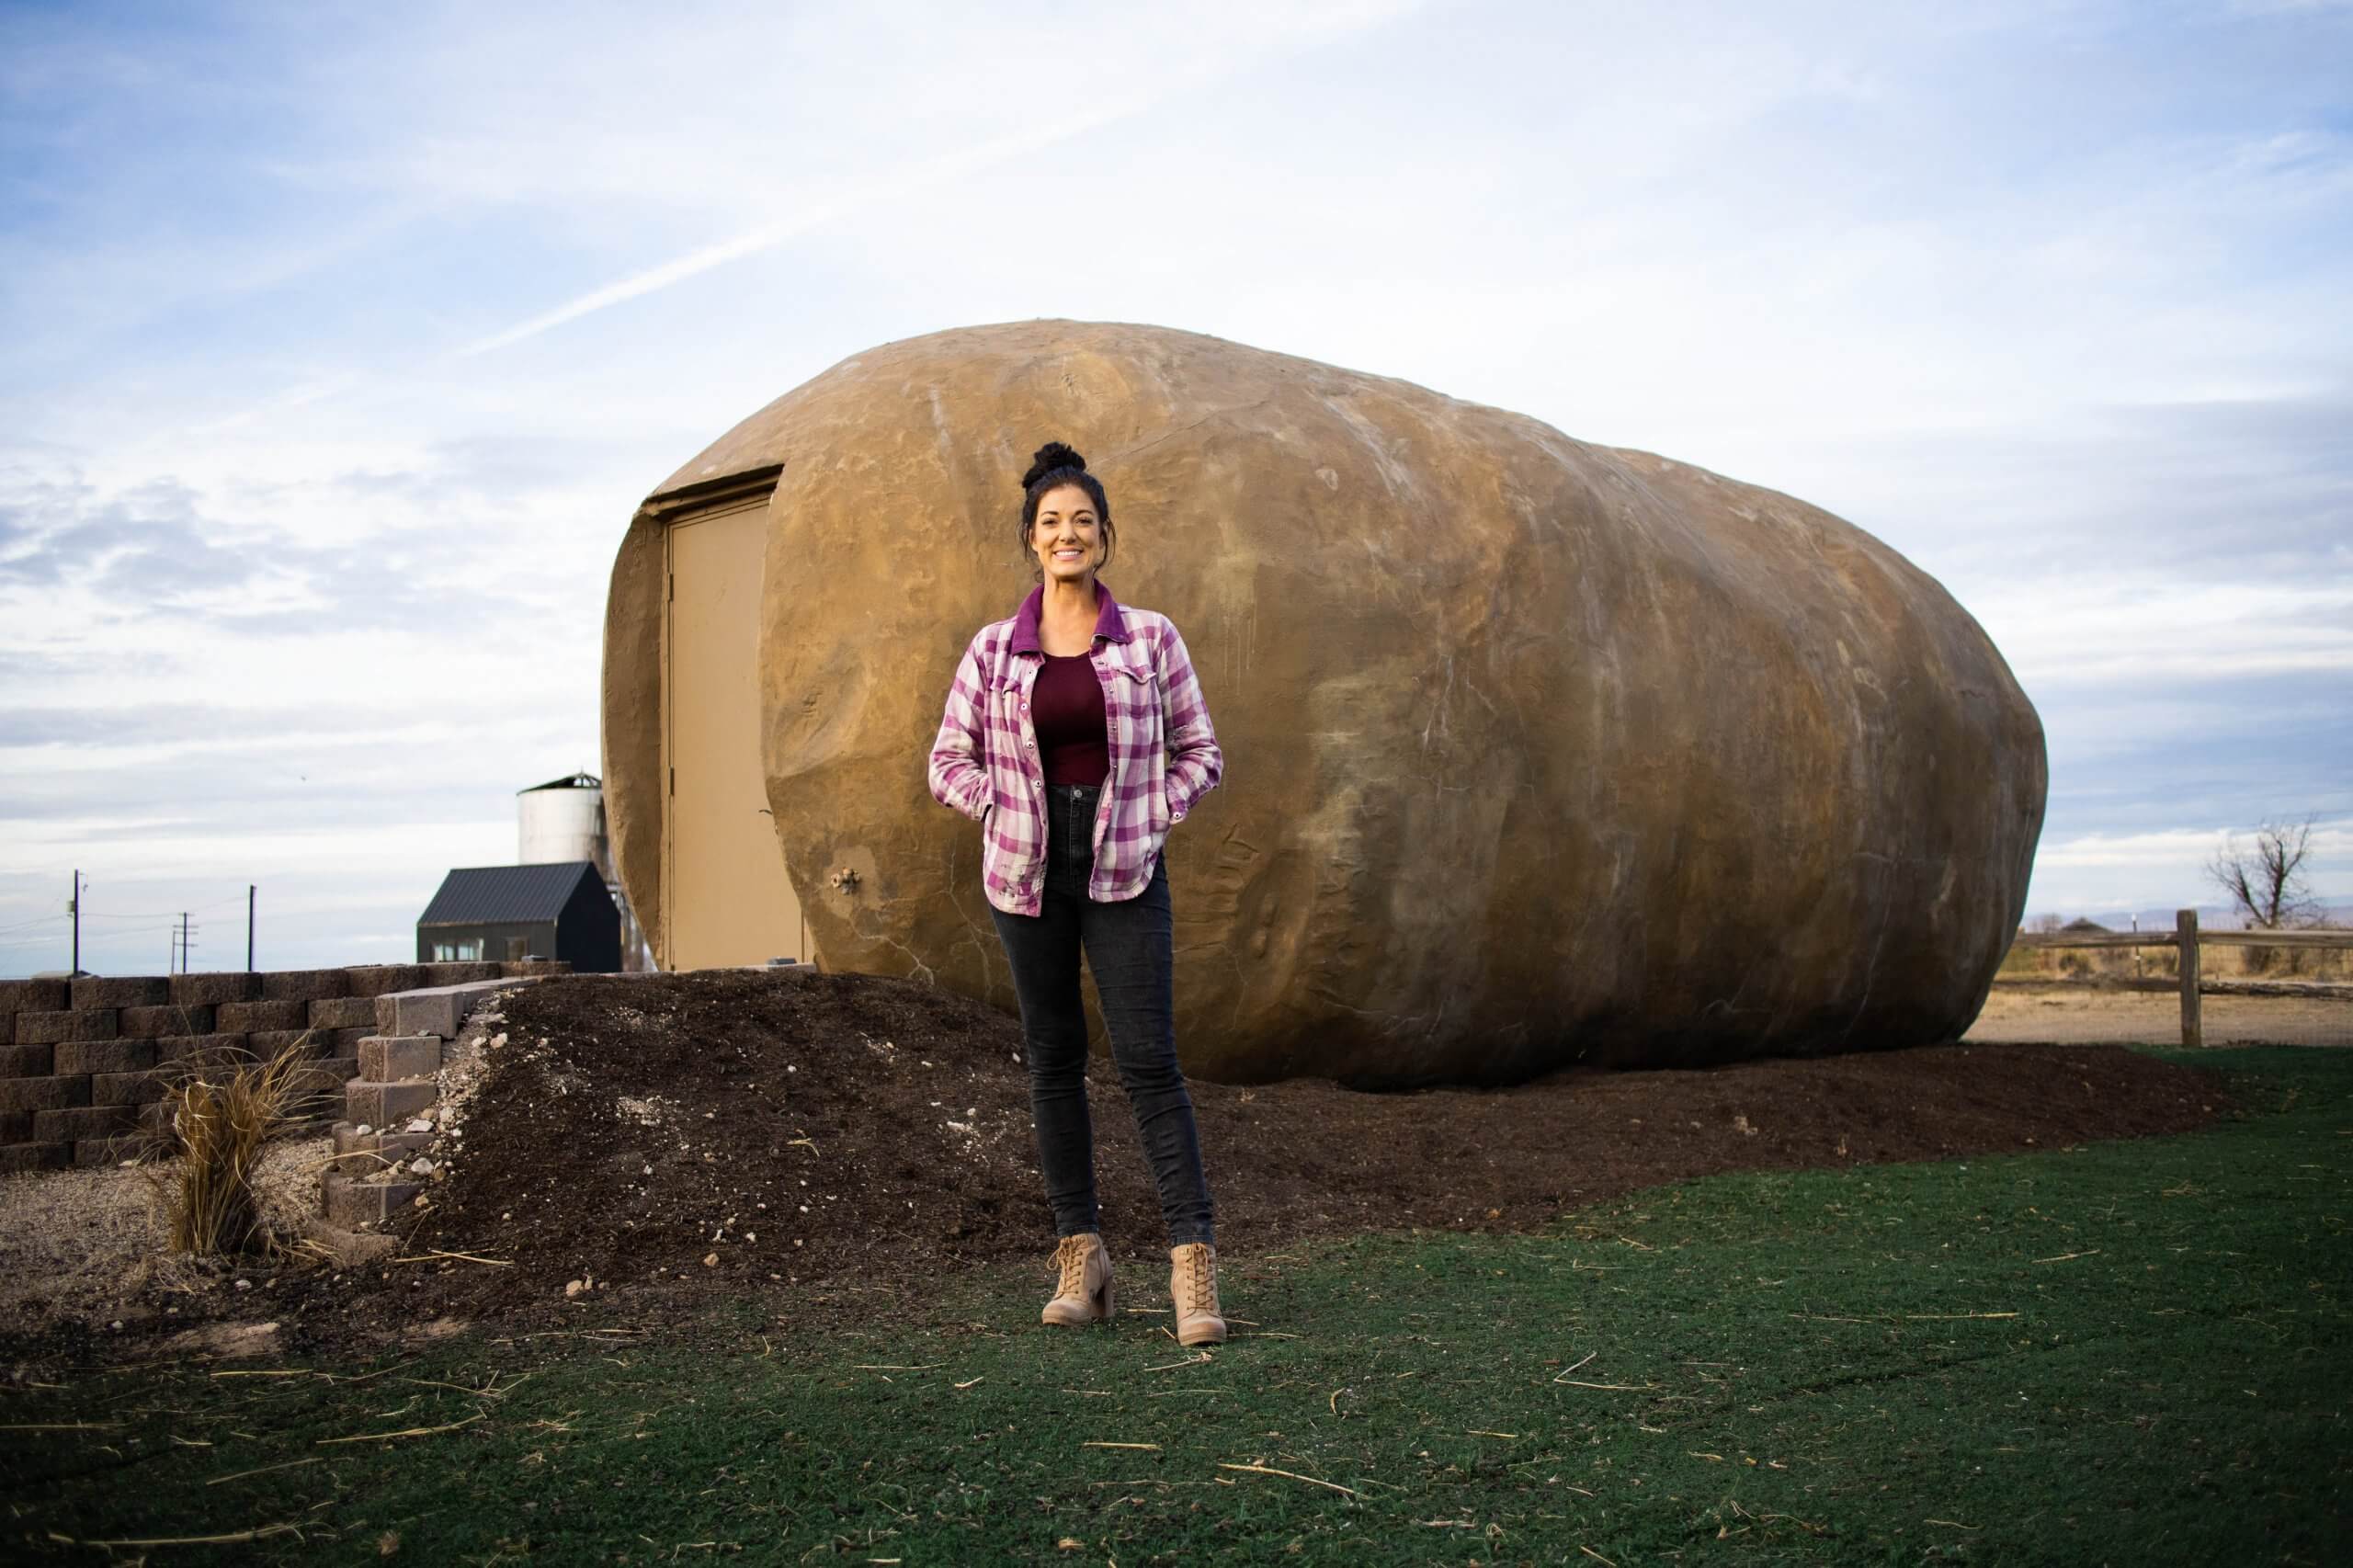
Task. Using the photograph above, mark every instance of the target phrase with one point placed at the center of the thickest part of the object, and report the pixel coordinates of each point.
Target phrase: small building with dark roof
(559, 910)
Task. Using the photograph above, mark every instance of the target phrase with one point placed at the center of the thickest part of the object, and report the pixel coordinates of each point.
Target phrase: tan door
(723, 883)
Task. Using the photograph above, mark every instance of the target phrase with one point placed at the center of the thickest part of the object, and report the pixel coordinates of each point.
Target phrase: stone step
(376, 1149)
(351, 1201)
(436, 1010)
(386, 1059)
(380, 1104)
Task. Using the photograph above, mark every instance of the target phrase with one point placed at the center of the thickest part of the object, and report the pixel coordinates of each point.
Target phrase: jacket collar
(1109, 622)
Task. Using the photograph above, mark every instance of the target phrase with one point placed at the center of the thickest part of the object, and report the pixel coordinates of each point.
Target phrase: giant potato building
(1537, 753)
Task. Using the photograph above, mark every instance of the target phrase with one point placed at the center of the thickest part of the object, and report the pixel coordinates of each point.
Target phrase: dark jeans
(1128, 947)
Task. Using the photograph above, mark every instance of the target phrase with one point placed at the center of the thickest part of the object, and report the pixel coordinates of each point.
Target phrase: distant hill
(2211, 916)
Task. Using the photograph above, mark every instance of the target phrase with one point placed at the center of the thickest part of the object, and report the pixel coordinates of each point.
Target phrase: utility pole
(249, 928)
(73, 905)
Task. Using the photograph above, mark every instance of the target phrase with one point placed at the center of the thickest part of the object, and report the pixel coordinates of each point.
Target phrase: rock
(710, 1260)
(422, 1124)
(1537, 753)
(573, 1287)
(227, 1340)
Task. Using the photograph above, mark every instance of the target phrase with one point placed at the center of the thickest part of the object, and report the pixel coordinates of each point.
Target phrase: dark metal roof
(478, 895)
(582, 781)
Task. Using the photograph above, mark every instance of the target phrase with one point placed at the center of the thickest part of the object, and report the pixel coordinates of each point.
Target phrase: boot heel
(1103, 1307)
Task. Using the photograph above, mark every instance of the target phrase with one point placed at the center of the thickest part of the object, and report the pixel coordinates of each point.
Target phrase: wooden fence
(2188, 939)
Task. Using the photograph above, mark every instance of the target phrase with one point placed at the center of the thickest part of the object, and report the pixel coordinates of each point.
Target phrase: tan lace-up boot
(1085, 1292)
(1192, 1287)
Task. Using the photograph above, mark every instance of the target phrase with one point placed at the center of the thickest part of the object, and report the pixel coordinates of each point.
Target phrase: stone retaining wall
(83, 1063)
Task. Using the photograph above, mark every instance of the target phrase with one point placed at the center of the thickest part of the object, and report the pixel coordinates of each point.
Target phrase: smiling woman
(1075, 734)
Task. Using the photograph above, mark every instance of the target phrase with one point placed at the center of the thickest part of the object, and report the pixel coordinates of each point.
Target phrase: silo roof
(582, 780)
(477, 896)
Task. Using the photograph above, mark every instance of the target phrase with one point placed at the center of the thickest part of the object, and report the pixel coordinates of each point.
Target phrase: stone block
(34, 1157)
(375, 1103)
(94, 991)
(316, 1081)
(25, 1062)
(125, 1088)
(38, 1095)
(34, 996)
(173, 1018)
(342, 1013)
(201, 1048)
(436, 1010)
(267, 1043)
(531, 969)
(460, 973)
(303, 984)
(360, 1152)
(386, 1059)
(211, 990)
(16, 1126)
(104, 1056)
(351, 1201)
(345, 1043)
(48, 1028)
(243, 1017)
(380, 978)
(74, 1122)
(111, 1151)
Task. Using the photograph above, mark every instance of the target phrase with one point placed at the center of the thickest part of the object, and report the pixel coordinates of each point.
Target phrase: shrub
(221, 1114)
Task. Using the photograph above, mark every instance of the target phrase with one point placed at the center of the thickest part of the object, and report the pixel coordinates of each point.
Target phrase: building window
(465, 950)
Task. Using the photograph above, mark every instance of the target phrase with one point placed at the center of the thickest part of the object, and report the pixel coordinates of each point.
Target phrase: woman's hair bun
(1052, 455)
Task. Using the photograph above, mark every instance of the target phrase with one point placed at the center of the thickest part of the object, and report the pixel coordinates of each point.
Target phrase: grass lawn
(2125, 1353)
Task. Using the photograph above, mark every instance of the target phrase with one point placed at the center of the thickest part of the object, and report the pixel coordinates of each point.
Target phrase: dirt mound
(678, 1135)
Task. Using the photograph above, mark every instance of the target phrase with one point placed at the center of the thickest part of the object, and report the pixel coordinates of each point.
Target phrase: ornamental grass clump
(221, 1115)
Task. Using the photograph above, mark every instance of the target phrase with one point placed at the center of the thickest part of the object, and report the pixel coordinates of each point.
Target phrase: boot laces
(1072, 1255)
(1200, 1281)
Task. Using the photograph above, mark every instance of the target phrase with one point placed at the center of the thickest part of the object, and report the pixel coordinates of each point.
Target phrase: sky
(338, 345)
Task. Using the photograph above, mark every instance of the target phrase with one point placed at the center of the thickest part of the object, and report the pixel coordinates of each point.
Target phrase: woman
(1075, 734)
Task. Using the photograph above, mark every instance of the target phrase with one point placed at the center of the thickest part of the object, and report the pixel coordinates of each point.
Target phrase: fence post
(2193, 1025)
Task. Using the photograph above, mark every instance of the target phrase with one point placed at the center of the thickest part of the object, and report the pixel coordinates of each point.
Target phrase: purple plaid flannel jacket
(1165, 757)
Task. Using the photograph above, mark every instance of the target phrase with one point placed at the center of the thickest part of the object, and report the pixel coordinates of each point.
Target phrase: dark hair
(1054, 465)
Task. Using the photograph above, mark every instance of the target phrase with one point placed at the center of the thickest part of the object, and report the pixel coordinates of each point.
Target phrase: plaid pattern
(985, 761)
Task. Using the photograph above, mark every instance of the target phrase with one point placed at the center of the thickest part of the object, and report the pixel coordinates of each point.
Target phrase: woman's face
(1067, 537)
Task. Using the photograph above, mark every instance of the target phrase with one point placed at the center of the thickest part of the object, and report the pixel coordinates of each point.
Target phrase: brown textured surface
(33, 995)
(1537, 752)
(91, 991)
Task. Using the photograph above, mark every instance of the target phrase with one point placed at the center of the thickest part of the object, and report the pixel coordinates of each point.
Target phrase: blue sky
(337, 342)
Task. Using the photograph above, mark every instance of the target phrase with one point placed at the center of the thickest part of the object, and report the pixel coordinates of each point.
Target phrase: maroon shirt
(1067, 708)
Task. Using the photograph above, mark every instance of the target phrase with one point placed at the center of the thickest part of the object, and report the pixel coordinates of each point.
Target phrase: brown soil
(811, 1140)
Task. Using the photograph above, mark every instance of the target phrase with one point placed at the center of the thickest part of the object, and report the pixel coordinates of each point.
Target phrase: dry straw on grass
(221, 1114)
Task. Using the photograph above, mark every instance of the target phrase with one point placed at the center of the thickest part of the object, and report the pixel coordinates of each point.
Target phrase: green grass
(2126, 1353)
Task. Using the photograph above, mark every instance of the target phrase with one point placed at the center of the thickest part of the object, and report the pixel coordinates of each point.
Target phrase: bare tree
(2266, 880)
(2267, 883)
